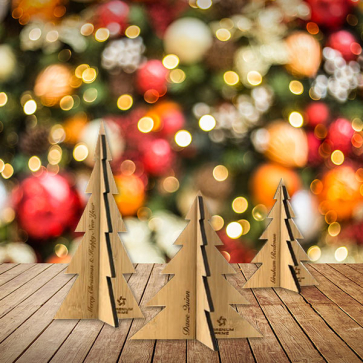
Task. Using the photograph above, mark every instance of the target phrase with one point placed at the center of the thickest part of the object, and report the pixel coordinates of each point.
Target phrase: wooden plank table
(322, 324)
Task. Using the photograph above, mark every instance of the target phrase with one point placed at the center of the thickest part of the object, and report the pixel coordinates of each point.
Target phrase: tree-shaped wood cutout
(198, 298)
(282, 254)
(100, 291)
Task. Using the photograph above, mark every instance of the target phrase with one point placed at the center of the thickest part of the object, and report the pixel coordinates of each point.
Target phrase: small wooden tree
(100, 291)
(282, 254)
(198, 297)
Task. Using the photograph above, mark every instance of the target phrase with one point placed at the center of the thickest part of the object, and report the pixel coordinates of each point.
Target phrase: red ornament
(157, 156)
(163, 13)
(329, 13)
(168, 117)
(314, 157)
(234, 251)
(113, 15)
(340, 135)
(152, 76)
(317, 113)
(346, 43)
(46, 205)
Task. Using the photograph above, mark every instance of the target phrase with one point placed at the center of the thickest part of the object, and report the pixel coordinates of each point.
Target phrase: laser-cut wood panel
(100, 290)
(282, 254)
(197, 299)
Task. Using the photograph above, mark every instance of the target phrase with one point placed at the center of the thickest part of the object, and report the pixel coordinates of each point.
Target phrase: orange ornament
(53, 83)
(131, 194)
(341, 192)
(265, 180)
(304, 54)
(287, 145)
(73, 127)
(25, 10)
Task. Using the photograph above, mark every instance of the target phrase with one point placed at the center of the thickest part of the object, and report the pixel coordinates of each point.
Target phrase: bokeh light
(240, 204)
(30, 107)
(170, 61)
(80, 152)
(217, 222)
(124, 102)
(34, 163)
(296, 119)
(341, 253)
(145, 124)
(234, 230)
(314, 253)
(207, 123)
(183, 138)
(220, 173)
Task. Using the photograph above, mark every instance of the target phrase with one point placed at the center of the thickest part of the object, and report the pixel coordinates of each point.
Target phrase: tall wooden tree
(198, 298)
(100, 291)
(282, 254)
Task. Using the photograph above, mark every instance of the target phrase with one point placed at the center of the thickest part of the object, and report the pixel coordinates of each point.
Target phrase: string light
(133, 31)
(3, 99)
(7, 172)
(207, 122)
(231, 78)
(341, 254)
(254, 78)
(170, 61)
(259, 213)
(204, 4)
(334, 229)
(177, 76)
(124, 102)
(55, 155)
(220, 173)
(34, 163)
(234, 230)
(246, 226)
(87, 29)
(66, 103)
(223, 34)
(314, 253)
(145, 124)
(296, 87)
(102, 34)
(89, 75)
(171, 184)
(183, 138)
(240, 204)
(90, 95)
(30, 107)
(128, 167)
(80, 69)
(337, 157)
(217, 222)
(296, 119)
(80, 152)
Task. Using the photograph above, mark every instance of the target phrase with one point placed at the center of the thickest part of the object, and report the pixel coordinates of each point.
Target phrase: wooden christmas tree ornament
(100, 291)
(198, 298)
(282, 254)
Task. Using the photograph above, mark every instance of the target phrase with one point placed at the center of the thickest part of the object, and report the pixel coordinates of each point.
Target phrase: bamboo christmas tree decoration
(100, 291)
(198, 298)
(282, 254)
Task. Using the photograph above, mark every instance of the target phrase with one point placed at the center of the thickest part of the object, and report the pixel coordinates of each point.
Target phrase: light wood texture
(198, 298)
(282, 254)
(322, 323)
(100, 290)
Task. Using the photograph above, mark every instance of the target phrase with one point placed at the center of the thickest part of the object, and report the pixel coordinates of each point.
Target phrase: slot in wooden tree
(282, 254)
(198, 298)
(100, 290)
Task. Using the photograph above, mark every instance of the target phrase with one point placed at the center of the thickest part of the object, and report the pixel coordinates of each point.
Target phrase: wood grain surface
(323, 323)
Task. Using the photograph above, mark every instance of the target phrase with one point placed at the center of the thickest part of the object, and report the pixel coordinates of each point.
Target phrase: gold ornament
(286, 145)
(304, 54)
(341, 192)
(53, 83)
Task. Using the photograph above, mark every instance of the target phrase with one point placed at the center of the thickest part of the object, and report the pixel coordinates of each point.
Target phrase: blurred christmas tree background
(222, 96)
